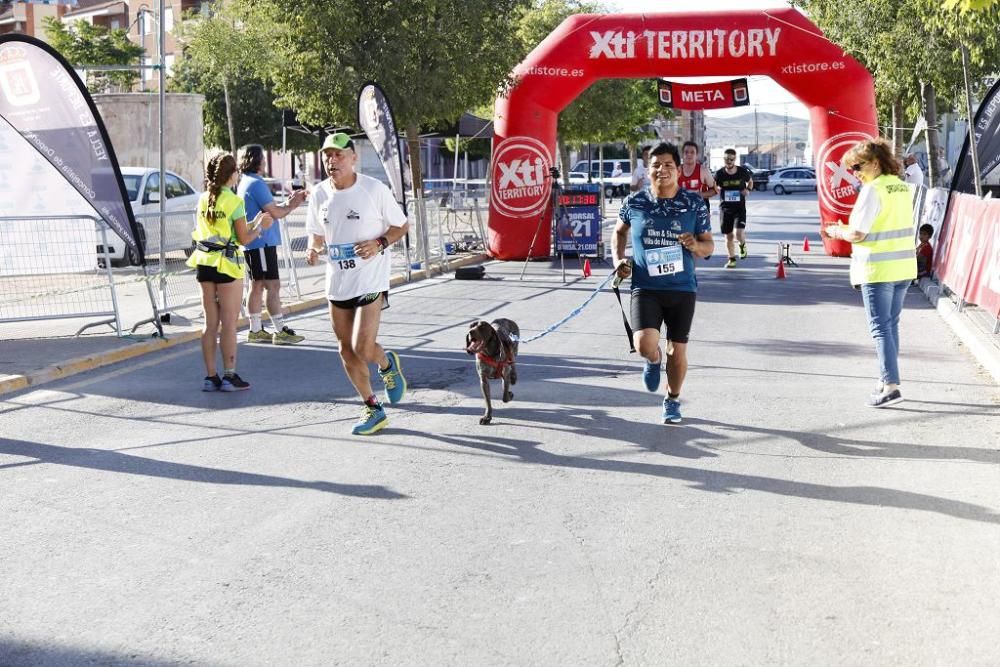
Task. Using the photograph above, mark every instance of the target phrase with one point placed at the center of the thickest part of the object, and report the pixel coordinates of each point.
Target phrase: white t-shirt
(914, 174)
(362, 212)
(639, 178)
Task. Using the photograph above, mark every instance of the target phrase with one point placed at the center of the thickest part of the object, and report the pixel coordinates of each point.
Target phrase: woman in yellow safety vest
(883, 259)
(220, 230)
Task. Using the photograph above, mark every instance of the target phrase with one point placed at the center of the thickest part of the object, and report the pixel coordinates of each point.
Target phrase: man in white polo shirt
(352, 221)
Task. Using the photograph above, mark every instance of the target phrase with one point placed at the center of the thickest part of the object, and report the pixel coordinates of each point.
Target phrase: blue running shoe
(651, 376)
(395, 383)
(212, 383)
(671, 411)
(372, 420)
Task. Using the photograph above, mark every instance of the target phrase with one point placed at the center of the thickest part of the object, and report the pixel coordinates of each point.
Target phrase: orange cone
(781, 271)
(805, 244)
(586, 268)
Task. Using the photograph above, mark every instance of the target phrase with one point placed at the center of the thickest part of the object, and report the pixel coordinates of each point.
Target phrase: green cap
(340, 141)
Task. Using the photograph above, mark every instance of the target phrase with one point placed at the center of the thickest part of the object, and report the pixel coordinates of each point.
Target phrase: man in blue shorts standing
(668, 227)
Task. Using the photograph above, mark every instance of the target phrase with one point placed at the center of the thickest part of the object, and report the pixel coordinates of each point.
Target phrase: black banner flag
(45, 103)
(376, 119)
(987, 129)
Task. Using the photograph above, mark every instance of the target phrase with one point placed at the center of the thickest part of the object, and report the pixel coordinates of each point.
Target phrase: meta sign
(719, 95)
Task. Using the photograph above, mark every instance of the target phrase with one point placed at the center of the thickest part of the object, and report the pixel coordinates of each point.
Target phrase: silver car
(792, 179)
(142, 184)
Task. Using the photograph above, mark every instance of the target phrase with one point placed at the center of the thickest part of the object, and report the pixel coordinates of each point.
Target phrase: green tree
(255, 116)
(219, 51)
(434, 58)
(913, 49)
(84, 44)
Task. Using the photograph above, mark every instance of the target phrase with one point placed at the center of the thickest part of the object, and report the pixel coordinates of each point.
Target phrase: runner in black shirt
(734, 183)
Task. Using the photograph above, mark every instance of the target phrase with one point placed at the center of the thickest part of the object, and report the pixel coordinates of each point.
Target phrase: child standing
(925, 252)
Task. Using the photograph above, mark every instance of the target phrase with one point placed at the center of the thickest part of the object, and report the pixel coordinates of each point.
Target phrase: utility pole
(756, 139)
(786, 134)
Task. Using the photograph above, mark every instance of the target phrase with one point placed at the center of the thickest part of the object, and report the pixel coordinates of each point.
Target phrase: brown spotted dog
(495, 346)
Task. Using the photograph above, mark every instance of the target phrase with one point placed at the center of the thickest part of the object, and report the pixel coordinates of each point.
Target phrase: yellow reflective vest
(887, 254)
(215, 238)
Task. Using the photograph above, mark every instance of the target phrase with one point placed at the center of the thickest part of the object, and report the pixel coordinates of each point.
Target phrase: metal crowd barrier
(51, 268)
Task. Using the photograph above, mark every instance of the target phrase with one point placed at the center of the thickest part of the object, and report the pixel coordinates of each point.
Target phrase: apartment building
(26, 18)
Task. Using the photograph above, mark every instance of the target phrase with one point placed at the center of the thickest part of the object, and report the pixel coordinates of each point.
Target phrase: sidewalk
(29, 362)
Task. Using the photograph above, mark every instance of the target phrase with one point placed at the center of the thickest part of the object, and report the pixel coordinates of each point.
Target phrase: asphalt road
(145, 522)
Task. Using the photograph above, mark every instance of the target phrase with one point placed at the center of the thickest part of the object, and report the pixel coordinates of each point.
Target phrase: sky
(765, 95)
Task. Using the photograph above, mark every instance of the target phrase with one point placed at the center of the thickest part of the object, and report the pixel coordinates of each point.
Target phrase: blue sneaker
(671, 411)
(651, 375)
(395, 383)
(212, 383)
(372, 420)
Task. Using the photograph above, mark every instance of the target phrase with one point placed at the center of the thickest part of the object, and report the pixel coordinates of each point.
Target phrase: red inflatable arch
(779, 43)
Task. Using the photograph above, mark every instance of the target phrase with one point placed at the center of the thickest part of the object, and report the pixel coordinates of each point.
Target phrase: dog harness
(506, 358)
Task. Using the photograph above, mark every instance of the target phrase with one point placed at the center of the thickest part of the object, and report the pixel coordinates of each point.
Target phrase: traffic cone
(586, 268)
(781, 270)
(805, 244)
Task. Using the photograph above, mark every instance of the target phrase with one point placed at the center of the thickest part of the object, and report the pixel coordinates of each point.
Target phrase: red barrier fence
(967, 259)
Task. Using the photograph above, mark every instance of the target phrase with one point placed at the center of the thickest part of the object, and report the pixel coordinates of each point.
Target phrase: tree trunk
(229, 118)
(930, 114)
(563, 150)
(423, 251)
(897, 124)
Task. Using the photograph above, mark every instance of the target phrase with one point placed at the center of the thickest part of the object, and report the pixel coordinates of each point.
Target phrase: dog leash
(579, 309)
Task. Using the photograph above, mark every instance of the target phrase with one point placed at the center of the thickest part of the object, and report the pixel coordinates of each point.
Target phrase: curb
(12, 383)
(982, 349)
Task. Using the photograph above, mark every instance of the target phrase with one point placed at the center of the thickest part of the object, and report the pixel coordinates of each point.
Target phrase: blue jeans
(883, 304)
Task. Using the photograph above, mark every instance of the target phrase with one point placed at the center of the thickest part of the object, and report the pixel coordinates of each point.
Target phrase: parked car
(792, 179)
(577, 177)
(760, 179)
(612, 185)
(142, 184)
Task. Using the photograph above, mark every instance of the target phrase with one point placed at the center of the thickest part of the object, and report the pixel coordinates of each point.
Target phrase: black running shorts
(363, 300)
(652, 308)
(209, 274)
(262, 262)
(733, 217)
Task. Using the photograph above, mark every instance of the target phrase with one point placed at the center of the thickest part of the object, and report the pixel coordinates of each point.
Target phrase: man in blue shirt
(668, 227)
(262, 254)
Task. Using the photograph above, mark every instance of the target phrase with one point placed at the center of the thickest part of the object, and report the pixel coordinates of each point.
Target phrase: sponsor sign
(719, 95)
(51, 115)
(520, 177)
(578, 228)
(684, 44)
(837, 186)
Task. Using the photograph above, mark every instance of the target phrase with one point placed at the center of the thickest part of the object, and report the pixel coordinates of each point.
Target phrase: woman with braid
(220, 230)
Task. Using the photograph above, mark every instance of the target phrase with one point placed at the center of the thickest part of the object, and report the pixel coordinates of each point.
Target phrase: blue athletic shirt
(658, 223)
(256, 195)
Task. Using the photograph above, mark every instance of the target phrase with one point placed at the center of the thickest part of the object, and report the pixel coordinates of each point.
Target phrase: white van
(613, 186)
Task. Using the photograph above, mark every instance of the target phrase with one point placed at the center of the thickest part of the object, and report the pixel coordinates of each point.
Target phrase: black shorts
(735, 216)
(363, 300)
(209, 274)
(651, 308)
(262, 262)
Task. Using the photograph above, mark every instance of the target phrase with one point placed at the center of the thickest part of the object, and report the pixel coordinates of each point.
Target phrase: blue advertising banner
(51, 115)
(578, 220)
